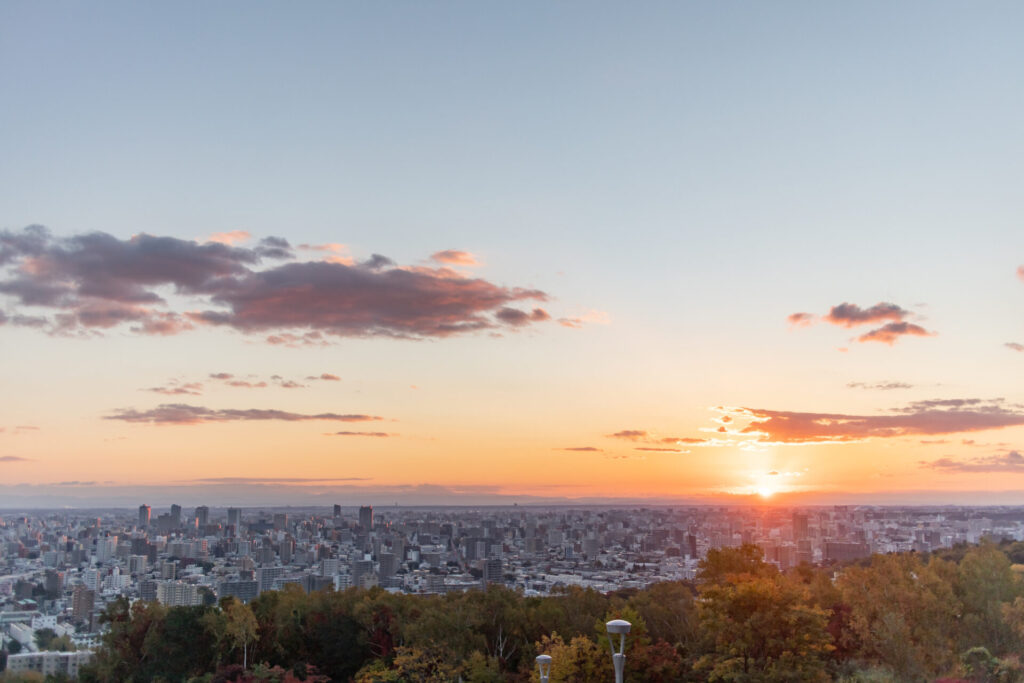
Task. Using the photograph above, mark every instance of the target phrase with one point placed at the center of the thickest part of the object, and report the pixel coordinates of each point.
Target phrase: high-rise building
(202, 515)
(176, 515)
(366, 517)
(337, 511)
(281, 521)
(800, 526)
(235, 518)
(492, 571)
(82, 601)
(144, 514)
(178, 594)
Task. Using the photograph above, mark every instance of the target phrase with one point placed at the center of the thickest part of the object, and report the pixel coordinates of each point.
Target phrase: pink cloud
(454, 257)
(921, 418)
(801, 319)
(97, 281)
(890, 333)
(229, 238)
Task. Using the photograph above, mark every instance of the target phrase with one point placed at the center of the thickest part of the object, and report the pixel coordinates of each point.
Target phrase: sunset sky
(464, 252)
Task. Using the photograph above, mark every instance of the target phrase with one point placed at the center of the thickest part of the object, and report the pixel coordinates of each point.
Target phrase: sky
(456, 252)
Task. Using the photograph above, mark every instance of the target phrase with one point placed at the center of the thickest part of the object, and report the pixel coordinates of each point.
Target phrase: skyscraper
(235, 518)
(366, 517)
(202, 515)
(144, 514)
(176, 515)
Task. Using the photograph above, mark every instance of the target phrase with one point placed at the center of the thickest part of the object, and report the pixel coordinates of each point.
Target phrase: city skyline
(523, 254)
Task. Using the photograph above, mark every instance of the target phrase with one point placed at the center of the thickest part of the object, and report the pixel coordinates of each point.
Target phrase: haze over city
(530, 253)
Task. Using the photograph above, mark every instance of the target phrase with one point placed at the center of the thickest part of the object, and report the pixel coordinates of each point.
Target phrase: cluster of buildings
(59, 569)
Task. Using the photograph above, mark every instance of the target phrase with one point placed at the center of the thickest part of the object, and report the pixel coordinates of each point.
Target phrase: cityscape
(60, 569)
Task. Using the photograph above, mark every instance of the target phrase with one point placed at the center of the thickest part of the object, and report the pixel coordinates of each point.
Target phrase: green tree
(985, 583)
(240, 627)
(43, 637)
(723, 564)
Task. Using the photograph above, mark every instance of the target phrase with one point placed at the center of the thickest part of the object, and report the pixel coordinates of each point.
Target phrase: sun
(765, 490)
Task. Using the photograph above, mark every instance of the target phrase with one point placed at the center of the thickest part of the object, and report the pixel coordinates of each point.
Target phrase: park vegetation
(955, 615)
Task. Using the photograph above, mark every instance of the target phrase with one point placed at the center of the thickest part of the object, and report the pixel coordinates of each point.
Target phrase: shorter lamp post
(618, 627)
(544, 667)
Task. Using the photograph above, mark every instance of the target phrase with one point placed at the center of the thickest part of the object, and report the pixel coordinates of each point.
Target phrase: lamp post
(544, 667)
(618, 627)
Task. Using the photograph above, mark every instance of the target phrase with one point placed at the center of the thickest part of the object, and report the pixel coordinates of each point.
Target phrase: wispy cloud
(176, 389)
(581, 449)
(13, 458)
(454, 257)
(96, 281)
(1008, 462)
(373, 434)
(880, 386)
(229, 238)
(326, 376)
(630, 434)
(1014, 346)
(275, 480)
(182, 414)
(921, 418)
(590, 317)
(801, 319)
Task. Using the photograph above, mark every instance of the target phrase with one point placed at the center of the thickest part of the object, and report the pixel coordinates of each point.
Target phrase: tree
(725, 564)
(902, 614)
(762, 628)
(240, 627)
(43, 637)
(985, 583)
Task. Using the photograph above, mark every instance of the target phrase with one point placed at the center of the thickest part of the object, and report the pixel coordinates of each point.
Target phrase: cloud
(183, 414)
(851, 315)
(1014, 346)
(245, 384)
(661, 450)
(1020, 272)
(890, 333)
(172, 389)
(643, 436)
(517, 318)
(221, 375)
(374, 434)
(229, 238)
(922, 418)
(96, 281)
(13, 458)
(326, 376)
(1009, 462)
(454, 257)
(881, 386)
(275, 480)
(576, 322)
(581, 449)
(630, 434)
(801, 319)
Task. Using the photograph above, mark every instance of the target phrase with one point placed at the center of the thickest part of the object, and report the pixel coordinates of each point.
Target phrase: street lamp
(544, 667)
(618, 627)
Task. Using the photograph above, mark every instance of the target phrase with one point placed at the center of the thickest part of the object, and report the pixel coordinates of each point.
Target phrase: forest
(954, 615)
